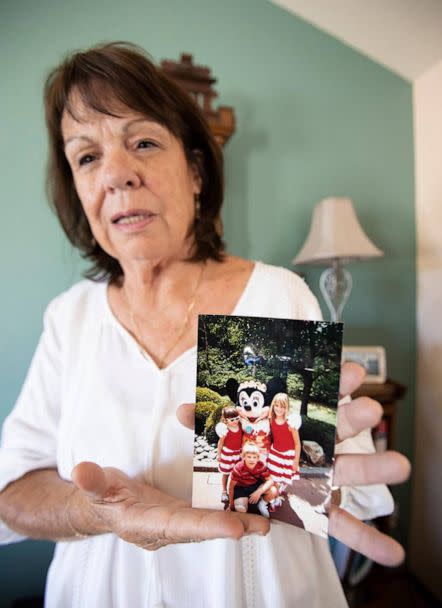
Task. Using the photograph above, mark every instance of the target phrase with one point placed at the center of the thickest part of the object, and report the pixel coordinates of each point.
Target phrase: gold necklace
(136, 330)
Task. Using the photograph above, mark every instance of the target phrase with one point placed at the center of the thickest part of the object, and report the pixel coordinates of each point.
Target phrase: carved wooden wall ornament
(198, 81)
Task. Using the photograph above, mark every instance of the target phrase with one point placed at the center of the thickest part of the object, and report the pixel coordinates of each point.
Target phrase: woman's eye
(86, 159)
(146, 143)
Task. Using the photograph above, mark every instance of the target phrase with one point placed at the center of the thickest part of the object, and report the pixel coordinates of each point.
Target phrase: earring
(197, 207)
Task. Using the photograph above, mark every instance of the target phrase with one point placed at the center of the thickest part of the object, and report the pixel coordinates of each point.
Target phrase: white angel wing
(294, 420)
(221, 429)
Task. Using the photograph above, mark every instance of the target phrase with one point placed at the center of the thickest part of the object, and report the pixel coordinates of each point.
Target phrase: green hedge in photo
(202, 412)
(295, 385)
(209, 405)
(211, 422)
(206, 394)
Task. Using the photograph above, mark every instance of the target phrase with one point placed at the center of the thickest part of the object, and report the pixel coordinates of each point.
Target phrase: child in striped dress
(285, 451)
(229, 445)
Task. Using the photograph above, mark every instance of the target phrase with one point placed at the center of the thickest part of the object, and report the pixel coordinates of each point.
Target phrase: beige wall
(426, 528)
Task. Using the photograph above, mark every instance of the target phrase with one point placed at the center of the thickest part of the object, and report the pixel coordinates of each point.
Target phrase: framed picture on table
(372, 358)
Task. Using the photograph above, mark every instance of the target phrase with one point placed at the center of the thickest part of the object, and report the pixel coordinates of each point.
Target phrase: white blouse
(90, 394)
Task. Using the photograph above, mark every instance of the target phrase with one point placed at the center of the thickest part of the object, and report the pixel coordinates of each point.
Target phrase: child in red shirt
(229, 445)
(283, 458)
(250, 482)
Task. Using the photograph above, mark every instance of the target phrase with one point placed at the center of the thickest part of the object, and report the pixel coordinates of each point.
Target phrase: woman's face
(134, 182)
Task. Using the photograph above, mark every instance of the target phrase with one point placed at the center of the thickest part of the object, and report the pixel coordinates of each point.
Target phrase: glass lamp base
(336, 284)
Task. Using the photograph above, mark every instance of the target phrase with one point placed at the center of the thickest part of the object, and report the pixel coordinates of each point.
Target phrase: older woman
(93, 451)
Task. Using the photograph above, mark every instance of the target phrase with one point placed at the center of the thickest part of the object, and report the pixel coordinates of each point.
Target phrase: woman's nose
(120, 172)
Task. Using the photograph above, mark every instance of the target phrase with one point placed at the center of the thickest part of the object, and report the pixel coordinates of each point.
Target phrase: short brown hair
(106, 77)
(229, 411)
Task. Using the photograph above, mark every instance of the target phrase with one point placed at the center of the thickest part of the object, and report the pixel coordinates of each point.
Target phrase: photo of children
(265, 419)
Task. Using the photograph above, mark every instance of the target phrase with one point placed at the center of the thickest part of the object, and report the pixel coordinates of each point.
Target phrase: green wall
(315, 118)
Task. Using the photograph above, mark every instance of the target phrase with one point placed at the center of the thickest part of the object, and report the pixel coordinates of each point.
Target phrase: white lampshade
(335, 233)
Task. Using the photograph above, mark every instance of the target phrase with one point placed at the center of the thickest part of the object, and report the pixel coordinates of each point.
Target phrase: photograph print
(265, 417)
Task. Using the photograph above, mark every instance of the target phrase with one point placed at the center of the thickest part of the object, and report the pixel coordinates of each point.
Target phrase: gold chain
(136, 330)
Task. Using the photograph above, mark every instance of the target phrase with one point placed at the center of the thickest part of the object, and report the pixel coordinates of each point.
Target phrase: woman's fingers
(367, 469)
(361, 413)
(253, 524)
(364, 539)
(186, 415)
(352, 376)
(90, 478)
(152, 527)
(201, 524)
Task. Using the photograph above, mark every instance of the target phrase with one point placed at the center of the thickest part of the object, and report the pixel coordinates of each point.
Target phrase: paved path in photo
(307, 493)
(308, 490)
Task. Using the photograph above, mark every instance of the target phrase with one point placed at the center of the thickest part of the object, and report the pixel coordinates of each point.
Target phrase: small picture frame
(372, 358)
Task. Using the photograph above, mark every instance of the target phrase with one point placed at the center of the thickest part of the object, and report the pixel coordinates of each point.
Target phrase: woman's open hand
(355, 469)
(110, 501)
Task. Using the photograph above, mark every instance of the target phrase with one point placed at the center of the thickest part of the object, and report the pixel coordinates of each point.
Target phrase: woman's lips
(133, 222)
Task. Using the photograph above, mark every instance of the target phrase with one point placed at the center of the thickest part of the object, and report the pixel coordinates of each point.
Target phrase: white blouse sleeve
(364, 502)
(29, 436)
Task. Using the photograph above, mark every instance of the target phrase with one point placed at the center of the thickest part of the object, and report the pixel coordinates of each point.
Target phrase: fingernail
(255, 533)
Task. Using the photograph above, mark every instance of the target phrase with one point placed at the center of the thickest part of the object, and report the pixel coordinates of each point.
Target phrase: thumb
(352, 376)
(90, 479)
(186, 415)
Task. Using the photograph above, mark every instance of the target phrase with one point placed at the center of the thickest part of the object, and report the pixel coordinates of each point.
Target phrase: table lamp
(335, 238)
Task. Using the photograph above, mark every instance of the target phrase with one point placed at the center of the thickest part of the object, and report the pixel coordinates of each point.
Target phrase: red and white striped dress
(282, 452)
(231, 451)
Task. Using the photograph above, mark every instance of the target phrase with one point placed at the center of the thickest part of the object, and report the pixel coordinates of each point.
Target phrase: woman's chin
(148, 254)
(138, 248)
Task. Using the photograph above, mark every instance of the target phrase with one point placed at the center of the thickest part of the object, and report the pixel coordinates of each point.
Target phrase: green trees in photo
(306, 354)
